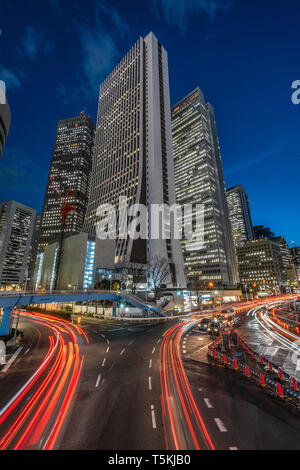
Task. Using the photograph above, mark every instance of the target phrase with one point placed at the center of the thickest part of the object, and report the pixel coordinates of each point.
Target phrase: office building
(5, 120)
(260, 231)
(199, 180)
(69, 179)
(239, 215)
(260, 265)
(76, 269)
(133, 155)
(295, 252)
(16, 228)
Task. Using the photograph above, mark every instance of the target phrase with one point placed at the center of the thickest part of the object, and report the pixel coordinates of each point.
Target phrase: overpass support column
(146, 313)
(114, 309)
(6, 323)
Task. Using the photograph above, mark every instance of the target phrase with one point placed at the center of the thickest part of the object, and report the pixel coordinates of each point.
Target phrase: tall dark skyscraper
(133, 152)
(16, 229)
(260, 231)
(199, 180)
(239, 215)
(69, 179)
(5, 120)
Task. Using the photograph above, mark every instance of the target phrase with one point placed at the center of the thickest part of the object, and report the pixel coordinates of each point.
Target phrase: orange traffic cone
(235, 366)
(280, 374)
(262, 381)
(295, 385)
(247, 372)
(270, 367)
(280, 391)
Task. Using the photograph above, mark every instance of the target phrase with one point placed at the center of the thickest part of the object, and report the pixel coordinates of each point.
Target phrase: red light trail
(33, 417)
(184, 427)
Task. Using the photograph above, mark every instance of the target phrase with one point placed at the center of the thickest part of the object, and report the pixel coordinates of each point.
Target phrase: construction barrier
(273, 380)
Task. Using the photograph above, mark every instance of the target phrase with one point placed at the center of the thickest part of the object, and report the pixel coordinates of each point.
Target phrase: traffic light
(179, 292)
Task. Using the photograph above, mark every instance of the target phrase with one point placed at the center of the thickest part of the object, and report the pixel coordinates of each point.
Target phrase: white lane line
(113, 364)
(27, 351)
(150, 383)
(122, 352)
(98, 381)
(107, 341)
(208, 403)
(107, 349)
(150, 364)
(153, 351)
(233, 448)
(131, 342)
(153, 417)
(220, 425)
(158, 341)
(104, 361)
(12, 359)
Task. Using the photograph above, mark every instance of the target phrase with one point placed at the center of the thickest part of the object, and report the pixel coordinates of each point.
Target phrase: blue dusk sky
(243, 54)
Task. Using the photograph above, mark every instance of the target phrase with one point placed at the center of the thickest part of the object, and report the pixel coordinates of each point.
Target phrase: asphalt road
(141, 387)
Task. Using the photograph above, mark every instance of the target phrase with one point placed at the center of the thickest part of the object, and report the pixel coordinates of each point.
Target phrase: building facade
(261, 266)
(5, 121)
(260, 231)
(76, 269)
(133, 155)
(199, 180)
(295, 252)
(239, 215)
(16, 228)
(69, 179)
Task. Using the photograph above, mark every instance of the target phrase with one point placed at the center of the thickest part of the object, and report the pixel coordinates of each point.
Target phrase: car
(214, 328)
(204, 324)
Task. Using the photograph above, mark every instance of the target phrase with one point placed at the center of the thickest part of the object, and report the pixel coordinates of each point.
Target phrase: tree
(134, 273)
(158, 273)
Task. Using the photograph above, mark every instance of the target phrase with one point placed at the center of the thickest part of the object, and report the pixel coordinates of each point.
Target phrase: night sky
(243, 54)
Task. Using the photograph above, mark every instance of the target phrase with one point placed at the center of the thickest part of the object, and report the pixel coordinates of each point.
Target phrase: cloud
(10, 78)
(33, 42)
(99, 43)
(177, 12)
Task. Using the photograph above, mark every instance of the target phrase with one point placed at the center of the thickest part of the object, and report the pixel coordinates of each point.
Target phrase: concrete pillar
(114, 310)
(6, 323)
(146, 313)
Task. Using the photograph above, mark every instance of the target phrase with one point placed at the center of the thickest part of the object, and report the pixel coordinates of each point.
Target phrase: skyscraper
(260, 231)
(69, 179)
(199, 180)
(133, 155)
(5, 120)
(239, 215)
(16, 228)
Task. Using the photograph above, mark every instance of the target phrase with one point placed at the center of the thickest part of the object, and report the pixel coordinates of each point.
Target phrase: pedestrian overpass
(10, 301)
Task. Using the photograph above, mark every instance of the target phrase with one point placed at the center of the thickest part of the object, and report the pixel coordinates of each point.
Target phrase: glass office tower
(199, 180)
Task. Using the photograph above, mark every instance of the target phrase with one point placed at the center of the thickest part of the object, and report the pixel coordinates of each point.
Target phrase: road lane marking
(12, 359)
(27, 351)
(107, 350)
(150, 364)
(98, 380)
(220, 425)
(233, 448)
(208, 403)
(113, 364)
(131, 342)
(153, 417)
(158, 341)
(150, 383)
(153, 351)
(104, 361)
(122, 352)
